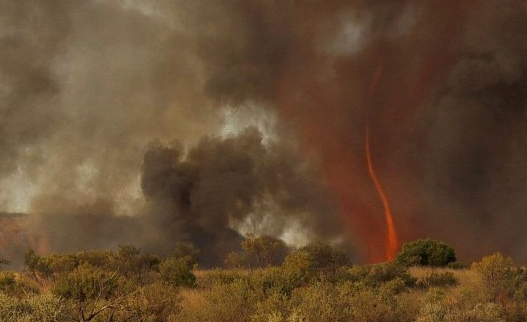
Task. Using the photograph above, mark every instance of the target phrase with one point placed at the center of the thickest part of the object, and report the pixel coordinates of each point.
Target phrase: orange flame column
(393, 242)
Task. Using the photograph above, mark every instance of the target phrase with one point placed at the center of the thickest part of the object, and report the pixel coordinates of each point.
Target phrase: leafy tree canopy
(426, 252)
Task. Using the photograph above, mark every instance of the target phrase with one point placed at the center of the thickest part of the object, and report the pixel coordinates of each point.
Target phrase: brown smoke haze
(153, 122)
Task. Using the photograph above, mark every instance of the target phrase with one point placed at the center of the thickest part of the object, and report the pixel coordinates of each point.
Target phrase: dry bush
(438, 307)
(35, 308)
(225, 302)
(445, 279)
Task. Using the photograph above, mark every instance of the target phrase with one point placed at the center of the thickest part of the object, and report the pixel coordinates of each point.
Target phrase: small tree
(426, 252)
(132, 264)
(497, 274)
(263, 251)
(313, 261)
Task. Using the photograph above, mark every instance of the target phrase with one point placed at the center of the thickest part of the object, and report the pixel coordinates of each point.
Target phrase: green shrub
(8, 283)
(374, 305)
(313, 262)
(134, 265)
(278, 279)
(92, 292)
(35, 264)
(275, 308)
(379, 274)
(263, 251)
(11, 285)
(426, 252)
(176, 272)
(187, 252)
(324, 259)
(321, 302)
(257, 252)
(497, 274)
(494, 269)
(86, 283)
(60, 263)
(298, 268)
(103, 259)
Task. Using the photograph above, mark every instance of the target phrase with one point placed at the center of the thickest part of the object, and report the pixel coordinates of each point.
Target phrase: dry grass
(192, 298)
(470, 284)
(466, 277)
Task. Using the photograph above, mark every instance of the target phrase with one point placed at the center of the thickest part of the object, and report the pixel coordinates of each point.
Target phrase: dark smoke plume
(202, 196)
(84, 88)
(218, 185)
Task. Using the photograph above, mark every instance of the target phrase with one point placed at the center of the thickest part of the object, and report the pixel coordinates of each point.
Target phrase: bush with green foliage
(315, 261)
(377, 275)
(313, 284)
(426, 252)
(86, 283)
(35, 264)
(57, 264)
(324, 301)
(503, 281)
(91, 291)
(258, 252)
(134, 265)
(263, 251)
(187, 252)
(12, 285)
(176, 272)
(495, 270)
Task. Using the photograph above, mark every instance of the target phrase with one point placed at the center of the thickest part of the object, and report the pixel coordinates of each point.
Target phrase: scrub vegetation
(263, 283)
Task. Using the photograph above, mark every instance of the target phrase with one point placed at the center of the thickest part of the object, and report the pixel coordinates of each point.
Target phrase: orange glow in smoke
(393, 243)
(327, 113)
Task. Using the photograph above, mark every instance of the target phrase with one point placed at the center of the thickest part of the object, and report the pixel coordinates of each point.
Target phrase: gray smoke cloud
(87, 88)
(201, 196)
(475, 156)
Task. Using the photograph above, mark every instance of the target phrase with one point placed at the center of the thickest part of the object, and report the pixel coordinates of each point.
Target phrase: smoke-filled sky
(163, 121)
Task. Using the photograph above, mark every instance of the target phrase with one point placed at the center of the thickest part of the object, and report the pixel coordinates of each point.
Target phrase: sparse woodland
(313, 283)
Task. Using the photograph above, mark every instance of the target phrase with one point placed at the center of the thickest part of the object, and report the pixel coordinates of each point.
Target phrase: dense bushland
(313, 283)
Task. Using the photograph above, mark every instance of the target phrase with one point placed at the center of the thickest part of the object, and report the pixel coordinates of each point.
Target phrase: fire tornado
(391, 247)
